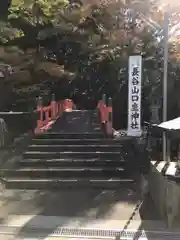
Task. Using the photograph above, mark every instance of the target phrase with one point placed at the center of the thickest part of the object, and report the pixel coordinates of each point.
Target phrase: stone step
(73, 148)
(73, 135)
(70, 154)
(93, 162)
(95, 122)
(44, 141)
(64, 172)
(25, 183)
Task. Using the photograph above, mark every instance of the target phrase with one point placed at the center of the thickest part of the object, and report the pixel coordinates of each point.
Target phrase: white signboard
(134, 96)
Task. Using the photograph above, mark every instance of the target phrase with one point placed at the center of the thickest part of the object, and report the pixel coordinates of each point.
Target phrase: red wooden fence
(48, 114)
(105, 112)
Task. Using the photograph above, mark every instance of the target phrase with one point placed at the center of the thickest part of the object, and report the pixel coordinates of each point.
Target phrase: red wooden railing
(105, 111)
(48, 114)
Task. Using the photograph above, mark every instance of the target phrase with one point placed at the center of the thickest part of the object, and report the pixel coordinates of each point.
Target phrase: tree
(5, 4)
(90, 44)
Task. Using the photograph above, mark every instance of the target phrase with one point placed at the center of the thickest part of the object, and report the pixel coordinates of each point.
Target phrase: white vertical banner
(134, 96)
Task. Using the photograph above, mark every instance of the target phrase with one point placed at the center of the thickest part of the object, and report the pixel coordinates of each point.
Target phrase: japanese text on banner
(134, 97)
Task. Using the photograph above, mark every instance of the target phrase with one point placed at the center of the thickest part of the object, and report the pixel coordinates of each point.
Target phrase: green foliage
(41, 9)
(8, 33)
(93, 43)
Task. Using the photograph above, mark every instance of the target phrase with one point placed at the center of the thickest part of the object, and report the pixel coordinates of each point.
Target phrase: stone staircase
(64, 157)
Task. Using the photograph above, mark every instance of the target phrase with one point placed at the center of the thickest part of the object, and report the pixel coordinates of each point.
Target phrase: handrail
(105, 111)
(39, 119)
(51, 112)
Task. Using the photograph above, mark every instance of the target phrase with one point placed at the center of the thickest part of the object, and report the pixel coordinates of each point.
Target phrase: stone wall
(165, 193)
(14, 124)
(4, 135)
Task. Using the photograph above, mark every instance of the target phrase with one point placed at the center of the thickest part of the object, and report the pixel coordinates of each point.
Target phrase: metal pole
(166, 24)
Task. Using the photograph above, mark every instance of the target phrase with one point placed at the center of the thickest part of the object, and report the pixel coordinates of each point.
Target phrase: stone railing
(4, 136)
(15, 124)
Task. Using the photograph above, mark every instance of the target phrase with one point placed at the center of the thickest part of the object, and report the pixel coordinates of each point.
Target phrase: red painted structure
(48, 114)
(105, 112)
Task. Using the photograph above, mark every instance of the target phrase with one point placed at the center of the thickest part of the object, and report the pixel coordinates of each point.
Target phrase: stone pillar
(155, 114)
(104, 98)
(155, 119)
